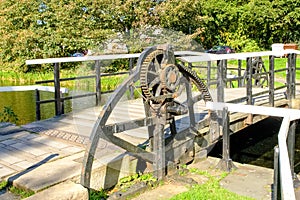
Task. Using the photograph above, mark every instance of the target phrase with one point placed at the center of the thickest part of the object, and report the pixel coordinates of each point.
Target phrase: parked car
(221, 50)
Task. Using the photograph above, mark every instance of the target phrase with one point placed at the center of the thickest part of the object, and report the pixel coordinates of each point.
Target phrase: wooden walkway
(77, 125)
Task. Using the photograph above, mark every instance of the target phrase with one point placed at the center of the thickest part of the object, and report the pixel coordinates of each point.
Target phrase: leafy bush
(8, 115)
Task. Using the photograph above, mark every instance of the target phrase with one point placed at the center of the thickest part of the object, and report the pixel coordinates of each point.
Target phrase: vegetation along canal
(255, 144)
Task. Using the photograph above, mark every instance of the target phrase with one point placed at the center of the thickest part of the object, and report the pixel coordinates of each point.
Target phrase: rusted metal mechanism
(170, 92)
(259, 73)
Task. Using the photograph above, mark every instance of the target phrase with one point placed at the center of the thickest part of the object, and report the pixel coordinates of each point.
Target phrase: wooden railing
(59, 99)
(224, 76)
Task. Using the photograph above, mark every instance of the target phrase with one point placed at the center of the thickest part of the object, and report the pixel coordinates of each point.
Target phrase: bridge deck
(77, 125)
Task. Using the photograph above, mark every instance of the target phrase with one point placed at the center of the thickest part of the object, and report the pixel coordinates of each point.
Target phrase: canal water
(23, 103)
(255, 144)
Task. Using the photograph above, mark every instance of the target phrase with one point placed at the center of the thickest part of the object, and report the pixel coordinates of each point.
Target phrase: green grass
(123, 185)
(209, 190)
(107, 82)
(31, 77)
(97, 195)
(3, 185)
(20, 192)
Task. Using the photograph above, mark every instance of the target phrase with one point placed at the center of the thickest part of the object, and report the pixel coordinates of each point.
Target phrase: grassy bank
(31, 77)
(15, 78)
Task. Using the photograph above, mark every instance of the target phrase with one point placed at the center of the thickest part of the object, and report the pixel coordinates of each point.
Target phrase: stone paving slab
(36, 161)
(251, 181)
(64, 191)
(48, 174)
(23, 155)
(247, 180)
(10, 129)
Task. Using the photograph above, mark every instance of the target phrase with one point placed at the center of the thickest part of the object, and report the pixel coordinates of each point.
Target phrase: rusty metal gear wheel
(150, 77)
(160, 79)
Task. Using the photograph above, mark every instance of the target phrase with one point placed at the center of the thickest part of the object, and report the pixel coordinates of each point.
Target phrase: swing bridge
(187, 101)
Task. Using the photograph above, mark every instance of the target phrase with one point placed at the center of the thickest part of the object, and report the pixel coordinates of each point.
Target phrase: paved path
(22, 152)
(37, 161)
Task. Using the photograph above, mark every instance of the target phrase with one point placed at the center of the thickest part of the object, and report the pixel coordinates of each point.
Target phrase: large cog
(160, 81)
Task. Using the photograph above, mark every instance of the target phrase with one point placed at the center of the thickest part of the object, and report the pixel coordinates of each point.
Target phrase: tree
(41, 29)
(35, 29)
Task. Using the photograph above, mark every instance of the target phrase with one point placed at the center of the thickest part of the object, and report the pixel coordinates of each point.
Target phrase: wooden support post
(292, 58)
(240, 81)
(249, 119)
(291, 78)
(220, 82)
(37, 105)
(226, 163)
(220, 85)
(276, 180)
(58, 107)
(208, 74)
(249, 81)
(98, 82)
(225, 73)
(271, 81)
(159, 147)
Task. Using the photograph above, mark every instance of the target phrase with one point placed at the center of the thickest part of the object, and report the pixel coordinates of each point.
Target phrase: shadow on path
(29, 169)
(5, 194)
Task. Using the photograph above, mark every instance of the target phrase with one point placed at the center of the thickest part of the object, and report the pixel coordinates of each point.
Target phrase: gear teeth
(184, 70)
(197, 81)
(143, 75)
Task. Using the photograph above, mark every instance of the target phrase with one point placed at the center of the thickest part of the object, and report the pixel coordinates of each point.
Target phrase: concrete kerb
(64, 191)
